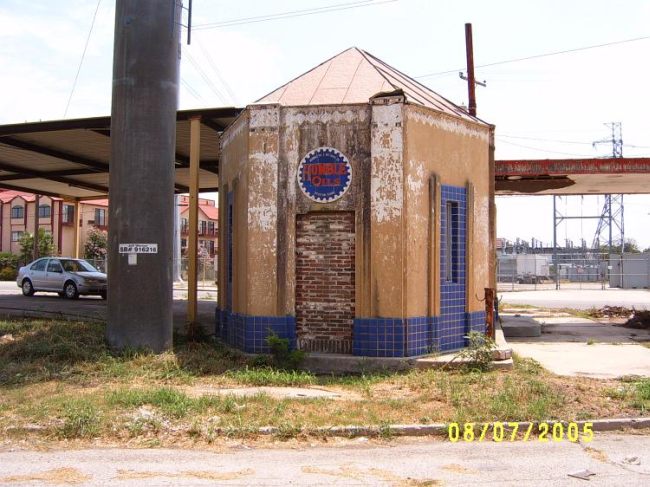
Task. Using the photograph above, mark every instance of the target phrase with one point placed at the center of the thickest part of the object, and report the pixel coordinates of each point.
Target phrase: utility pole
(146, 61)
(471, 81)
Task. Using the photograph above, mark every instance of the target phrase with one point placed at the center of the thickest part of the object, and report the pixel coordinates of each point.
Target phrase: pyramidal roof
(355, 76)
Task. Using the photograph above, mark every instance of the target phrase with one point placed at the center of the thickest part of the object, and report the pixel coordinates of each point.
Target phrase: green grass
(81, 419)
(266, 376)
(62, 377)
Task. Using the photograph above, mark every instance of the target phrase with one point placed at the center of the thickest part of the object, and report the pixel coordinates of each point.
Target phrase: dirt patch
(54, 476)
(274, 392)
(203, 475)
(352, 472)
(597, 454)
(456, 468)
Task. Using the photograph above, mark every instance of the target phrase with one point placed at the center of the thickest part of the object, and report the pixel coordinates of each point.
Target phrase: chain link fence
(527, 272)
(206, 271)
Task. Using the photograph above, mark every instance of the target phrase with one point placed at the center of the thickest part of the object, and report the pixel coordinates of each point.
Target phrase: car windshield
(77, 266)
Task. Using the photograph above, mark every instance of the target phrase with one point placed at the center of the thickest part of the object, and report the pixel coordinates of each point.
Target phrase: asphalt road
(14, 304)
(616, 460)
(580, 298)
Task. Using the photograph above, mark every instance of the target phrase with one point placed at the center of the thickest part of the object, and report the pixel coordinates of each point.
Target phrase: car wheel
(103, 294)
(70, 290)
(28, 289)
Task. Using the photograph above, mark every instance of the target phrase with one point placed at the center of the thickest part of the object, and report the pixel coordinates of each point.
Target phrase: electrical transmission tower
(611, 227)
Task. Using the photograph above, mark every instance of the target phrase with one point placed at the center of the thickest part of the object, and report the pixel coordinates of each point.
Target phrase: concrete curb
(440, 429)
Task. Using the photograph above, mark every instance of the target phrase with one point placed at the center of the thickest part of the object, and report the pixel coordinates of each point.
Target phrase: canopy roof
(70, 158)
(625, 175)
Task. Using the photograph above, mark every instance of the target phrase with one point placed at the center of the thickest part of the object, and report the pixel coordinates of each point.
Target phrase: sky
(552, 106)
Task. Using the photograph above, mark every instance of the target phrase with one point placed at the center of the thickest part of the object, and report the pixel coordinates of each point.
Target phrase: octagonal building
(356, 215)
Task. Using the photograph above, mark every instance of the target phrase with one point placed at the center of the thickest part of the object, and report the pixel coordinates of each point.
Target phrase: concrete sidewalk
(576, 346)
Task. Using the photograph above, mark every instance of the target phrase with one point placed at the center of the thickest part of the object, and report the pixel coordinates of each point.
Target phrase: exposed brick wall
(325, 247)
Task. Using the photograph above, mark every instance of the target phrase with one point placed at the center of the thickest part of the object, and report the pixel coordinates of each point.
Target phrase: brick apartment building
(17, 211)
(57, 217)
(208, 224)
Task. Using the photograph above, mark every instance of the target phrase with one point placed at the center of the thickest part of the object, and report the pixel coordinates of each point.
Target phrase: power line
(205, 77)
(564, 141)
(213, 65)
(543, 140)
(290, 14)
(535, 56)
(546, 150)
(190, 89)
(83, 55)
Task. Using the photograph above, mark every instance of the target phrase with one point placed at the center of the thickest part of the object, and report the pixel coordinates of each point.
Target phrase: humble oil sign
(324, 175)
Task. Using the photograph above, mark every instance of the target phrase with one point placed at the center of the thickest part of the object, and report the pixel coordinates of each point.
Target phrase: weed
(286, 431)
(283, 357)
(527, 365)
(479, 351)
(384, 430)
(80, 420)
(590, 341)
(642, 395)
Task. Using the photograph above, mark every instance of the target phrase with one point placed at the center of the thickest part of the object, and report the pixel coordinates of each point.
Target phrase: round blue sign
(324, 175)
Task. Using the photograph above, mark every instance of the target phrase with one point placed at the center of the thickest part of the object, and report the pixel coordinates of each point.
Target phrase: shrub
(96, 244)
(7, 259)
(8, 274)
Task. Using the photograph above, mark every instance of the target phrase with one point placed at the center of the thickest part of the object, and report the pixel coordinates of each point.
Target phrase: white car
(68, 277)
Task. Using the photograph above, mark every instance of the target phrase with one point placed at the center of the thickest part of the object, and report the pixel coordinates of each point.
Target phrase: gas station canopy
(624, 175)
(70, 158)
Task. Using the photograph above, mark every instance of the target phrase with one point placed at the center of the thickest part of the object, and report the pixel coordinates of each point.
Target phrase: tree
(45, 245)
(630, 247)
(96, 244)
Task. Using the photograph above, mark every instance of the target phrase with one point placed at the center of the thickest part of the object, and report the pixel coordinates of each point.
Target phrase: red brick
(325, 247)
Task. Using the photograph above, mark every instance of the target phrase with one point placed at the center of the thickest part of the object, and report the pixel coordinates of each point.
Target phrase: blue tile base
(248, 333)
(410, 337)
(371, 337)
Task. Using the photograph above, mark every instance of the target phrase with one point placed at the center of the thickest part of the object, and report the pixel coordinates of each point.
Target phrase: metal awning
(624, 175)
(70, 158)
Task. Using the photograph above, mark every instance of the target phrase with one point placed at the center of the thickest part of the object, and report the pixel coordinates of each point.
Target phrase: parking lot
(42, 304)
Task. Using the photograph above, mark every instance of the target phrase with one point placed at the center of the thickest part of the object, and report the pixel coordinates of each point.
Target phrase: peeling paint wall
(457, 151)
(262, 210)
(386, 208)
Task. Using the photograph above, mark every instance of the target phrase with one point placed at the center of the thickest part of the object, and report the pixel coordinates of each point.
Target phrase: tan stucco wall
(457, 152)
(233, 176)
(394, 149)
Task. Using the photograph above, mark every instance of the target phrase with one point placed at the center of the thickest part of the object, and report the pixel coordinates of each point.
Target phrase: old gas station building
(355, 209)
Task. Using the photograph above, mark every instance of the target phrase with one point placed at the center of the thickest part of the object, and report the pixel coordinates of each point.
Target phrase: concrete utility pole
(143, 140)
